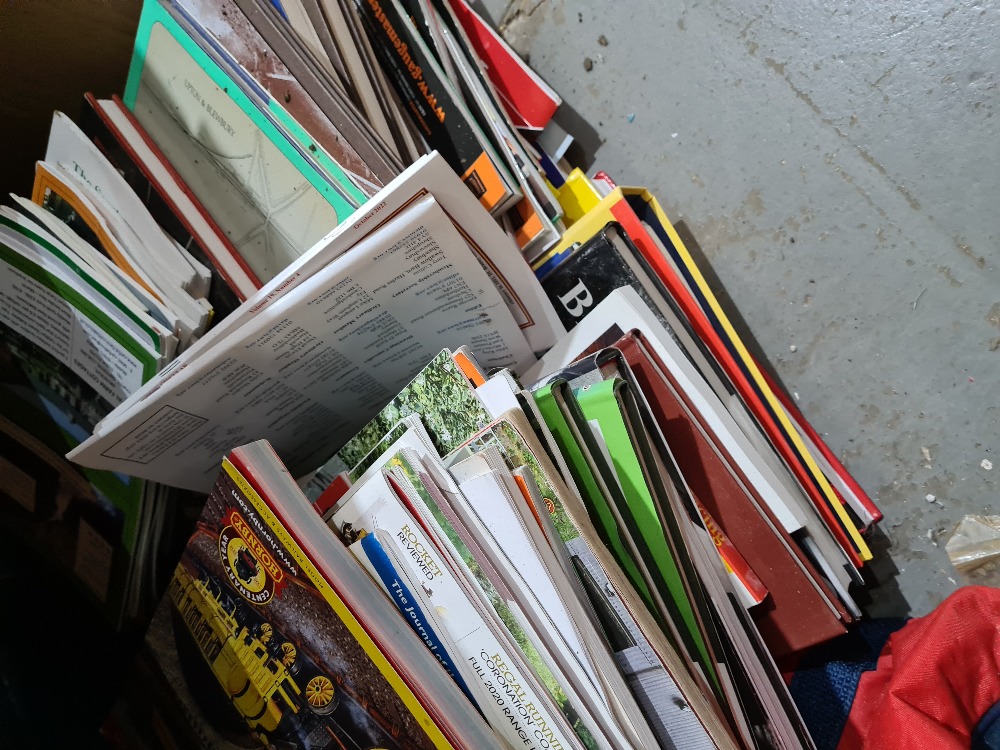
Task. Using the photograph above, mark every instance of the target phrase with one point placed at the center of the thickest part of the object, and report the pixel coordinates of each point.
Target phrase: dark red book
(800, 611)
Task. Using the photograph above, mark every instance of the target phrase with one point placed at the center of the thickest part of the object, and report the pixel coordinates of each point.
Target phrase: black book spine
(424, 93)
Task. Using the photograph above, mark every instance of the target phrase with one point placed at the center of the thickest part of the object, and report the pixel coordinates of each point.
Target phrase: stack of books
(496, 468)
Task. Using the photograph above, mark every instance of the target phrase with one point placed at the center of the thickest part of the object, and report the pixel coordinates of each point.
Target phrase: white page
(496, 252)
(70, 146)
(319, 363)
(501, 536)
(373, 505)
(60, 324)
(497, 393)
(197, 311)
(488, 499)
(624, 308)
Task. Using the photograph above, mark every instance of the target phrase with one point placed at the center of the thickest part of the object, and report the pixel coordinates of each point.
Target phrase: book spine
(698, 303)
(799, 420)
(430, 101)
(373, 556)
(733, 561)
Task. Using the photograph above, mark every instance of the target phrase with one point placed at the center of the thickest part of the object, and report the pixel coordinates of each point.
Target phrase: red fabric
(935, 678)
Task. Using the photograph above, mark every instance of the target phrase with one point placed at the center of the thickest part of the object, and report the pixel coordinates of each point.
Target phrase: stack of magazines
(486, 462)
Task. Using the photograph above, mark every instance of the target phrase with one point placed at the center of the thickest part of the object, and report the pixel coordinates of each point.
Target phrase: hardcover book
(639, 214)
(588, 273)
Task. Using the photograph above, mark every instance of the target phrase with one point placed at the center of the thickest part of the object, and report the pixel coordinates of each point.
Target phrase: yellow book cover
(583, 228)
(274, 629)
(577, 196)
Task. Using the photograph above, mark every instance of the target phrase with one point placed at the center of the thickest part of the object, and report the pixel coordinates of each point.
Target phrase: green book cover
(64, 364)
(556, 403)
(269, 198)
(600, 403)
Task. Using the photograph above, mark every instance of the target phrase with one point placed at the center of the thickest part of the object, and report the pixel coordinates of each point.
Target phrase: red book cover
(845, 476)
(529, 102)
(630, 222)
(774, 418)
(797, 614)
(334, 491)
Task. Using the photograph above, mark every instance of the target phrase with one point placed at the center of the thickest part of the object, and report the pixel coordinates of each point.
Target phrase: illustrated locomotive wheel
(320, 693)
(288, 654)
(266, 631)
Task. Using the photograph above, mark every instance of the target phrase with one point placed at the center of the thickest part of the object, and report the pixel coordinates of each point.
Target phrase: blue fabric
(987, 733)
(824, 684)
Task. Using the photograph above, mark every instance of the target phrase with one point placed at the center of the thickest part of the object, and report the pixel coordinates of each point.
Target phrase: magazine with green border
(281, 117)
(267, 167)
(81, 520)
(155, 339)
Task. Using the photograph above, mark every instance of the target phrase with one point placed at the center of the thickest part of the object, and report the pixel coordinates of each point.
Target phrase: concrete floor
(837, 165)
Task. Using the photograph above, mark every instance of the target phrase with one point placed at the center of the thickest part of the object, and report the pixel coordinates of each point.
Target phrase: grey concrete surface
(837, 166)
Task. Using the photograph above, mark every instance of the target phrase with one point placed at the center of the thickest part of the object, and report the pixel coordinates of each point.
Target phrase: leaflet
(316, 365)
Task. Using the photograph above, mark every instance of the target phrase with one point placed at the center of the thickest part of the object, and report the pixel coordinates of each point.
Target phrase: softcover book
(268, 646)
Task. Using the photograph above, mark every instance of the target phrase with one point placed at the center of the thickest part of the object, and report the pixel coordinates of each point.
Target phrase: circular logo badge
(247, 564)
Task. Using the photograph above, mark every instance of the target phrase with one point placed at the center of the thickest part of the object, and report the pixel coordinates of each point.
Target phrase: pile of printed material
(486, 463)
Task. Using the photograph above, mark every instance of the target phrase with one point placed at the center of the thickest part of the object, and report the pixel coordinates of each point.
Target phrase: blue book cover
(407, 603)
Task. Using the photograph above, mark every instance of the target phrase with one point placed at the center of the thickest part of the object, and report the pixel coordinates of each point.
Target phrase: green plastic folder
(600, 402)
(555, 402)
